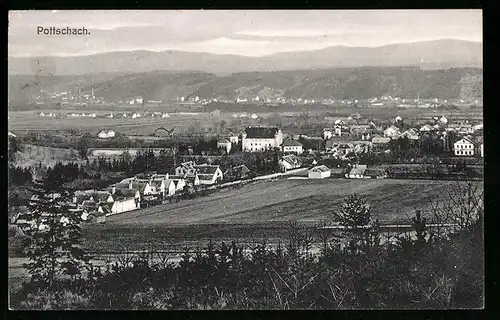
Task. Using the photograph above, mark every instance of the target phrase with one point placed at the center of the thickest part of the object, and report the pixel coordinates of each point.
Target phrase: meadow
(197, 121)
(256, 210)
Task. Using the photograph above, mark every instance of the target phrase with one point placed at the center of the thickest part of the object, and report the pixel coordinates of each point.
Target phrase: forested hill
(339, 83)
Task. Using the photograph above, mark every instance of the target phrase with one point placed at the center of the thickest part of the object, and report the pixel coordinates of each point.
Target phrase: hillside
(348, 83)
(340, 83)
(438, 54)
(158, 85)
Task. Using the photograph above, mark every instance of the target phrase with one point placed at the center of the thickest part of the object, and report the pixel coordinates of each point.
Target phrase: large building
(463, 147)
(256, 139)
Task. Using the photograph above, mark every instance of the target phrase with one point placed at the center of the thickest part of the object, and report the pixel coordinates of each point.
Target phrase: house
(289, 162)
(124, 205)
(319, 172)
(292, 146)
(443, 120)
(144, 187)
(254, 116)
(165, 187)
(234, 139)
(224, 144)
(362, 146)
(410, 134)
(357, 172)
(192, 180)
(327, 133)
(463, 147)
(256, 139)
(378, 140)
(185, 168)
(237, 173)
(209, 174)
(179, 182)
(391, 132)
(398, 119)
(426, 128)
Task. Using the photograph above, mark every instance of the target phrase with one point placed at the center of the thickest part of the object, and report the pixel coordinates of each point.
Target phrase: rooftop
(261, 132)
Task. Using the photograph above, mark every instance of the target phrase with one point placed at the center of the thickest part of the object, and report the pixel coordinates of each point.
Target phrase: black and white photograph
(245, 160)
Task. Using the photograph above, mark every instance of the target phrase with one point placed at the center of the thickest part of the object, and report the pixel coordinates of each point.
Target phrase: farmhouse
(224, 144)
(319, 172)
(237, 173)
(410, 134)
(185, 168)
(192, 180)
(209, 174)
(165, 188)
(463, 147)
(124, 205)
(292, 146)
(106, 134)
(357, 172)
(179, 182)
(426, 128)
(289, 162)
(256, 139)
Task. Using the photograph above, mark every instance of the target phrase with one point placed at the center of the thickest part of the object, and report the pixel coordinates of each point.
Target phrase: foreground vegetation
(432, 269)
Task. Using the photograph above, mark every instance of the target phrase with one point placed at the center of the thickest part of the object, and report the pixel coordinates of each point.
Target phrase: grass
(257, 210)
(48, 156)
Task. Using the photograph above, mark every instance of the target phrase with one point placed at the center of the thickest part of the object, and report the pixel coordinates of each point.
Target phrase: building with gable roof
(256, 139)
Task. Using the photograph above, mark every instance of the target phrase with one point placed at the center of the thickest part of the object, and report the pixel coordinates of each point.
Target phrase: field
(261, 208)
(20, 121)
(32, 155)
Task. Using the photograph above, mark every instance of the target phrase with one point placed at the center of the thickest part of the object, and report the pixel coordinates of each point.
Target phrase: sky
(241, 32)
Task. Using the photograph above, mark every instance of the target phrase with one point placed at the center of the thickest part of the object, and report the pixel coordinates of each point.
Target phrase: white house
(165, 187)
(256, 139)
(443, 120)
(185, 168)
(357, 172)
(327, 133)
(179, 182)
(292, 146)
(391, 132)
(224, 144)
(254, 116)
(209, 174)
(426, 128)
(319, 172)
(398, 119)
(124, 205)
(289, 162)
(106, 134)
(463, 147)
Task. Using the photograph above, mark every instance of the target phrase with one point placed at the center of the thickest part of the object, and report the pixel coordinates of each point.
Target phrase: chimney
(167, 176)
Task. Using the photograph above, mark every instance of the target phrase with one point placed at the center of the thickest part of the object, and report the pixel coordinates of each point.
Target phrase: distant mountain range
(439, 54)
(337, 83)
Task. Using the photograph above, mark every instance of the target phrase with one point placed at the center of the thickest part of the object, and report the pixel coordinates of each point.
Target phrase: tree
(13, 147)
(54, 243)
(356, 218)
(83, 145)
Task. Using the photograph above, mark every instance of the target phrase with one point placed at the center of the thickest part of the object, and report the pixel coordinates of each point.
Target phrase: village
(340, 152)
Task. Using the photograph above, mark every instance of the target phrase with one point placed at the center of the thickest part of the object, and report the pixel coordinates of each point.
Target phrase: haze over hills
(439, 54)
